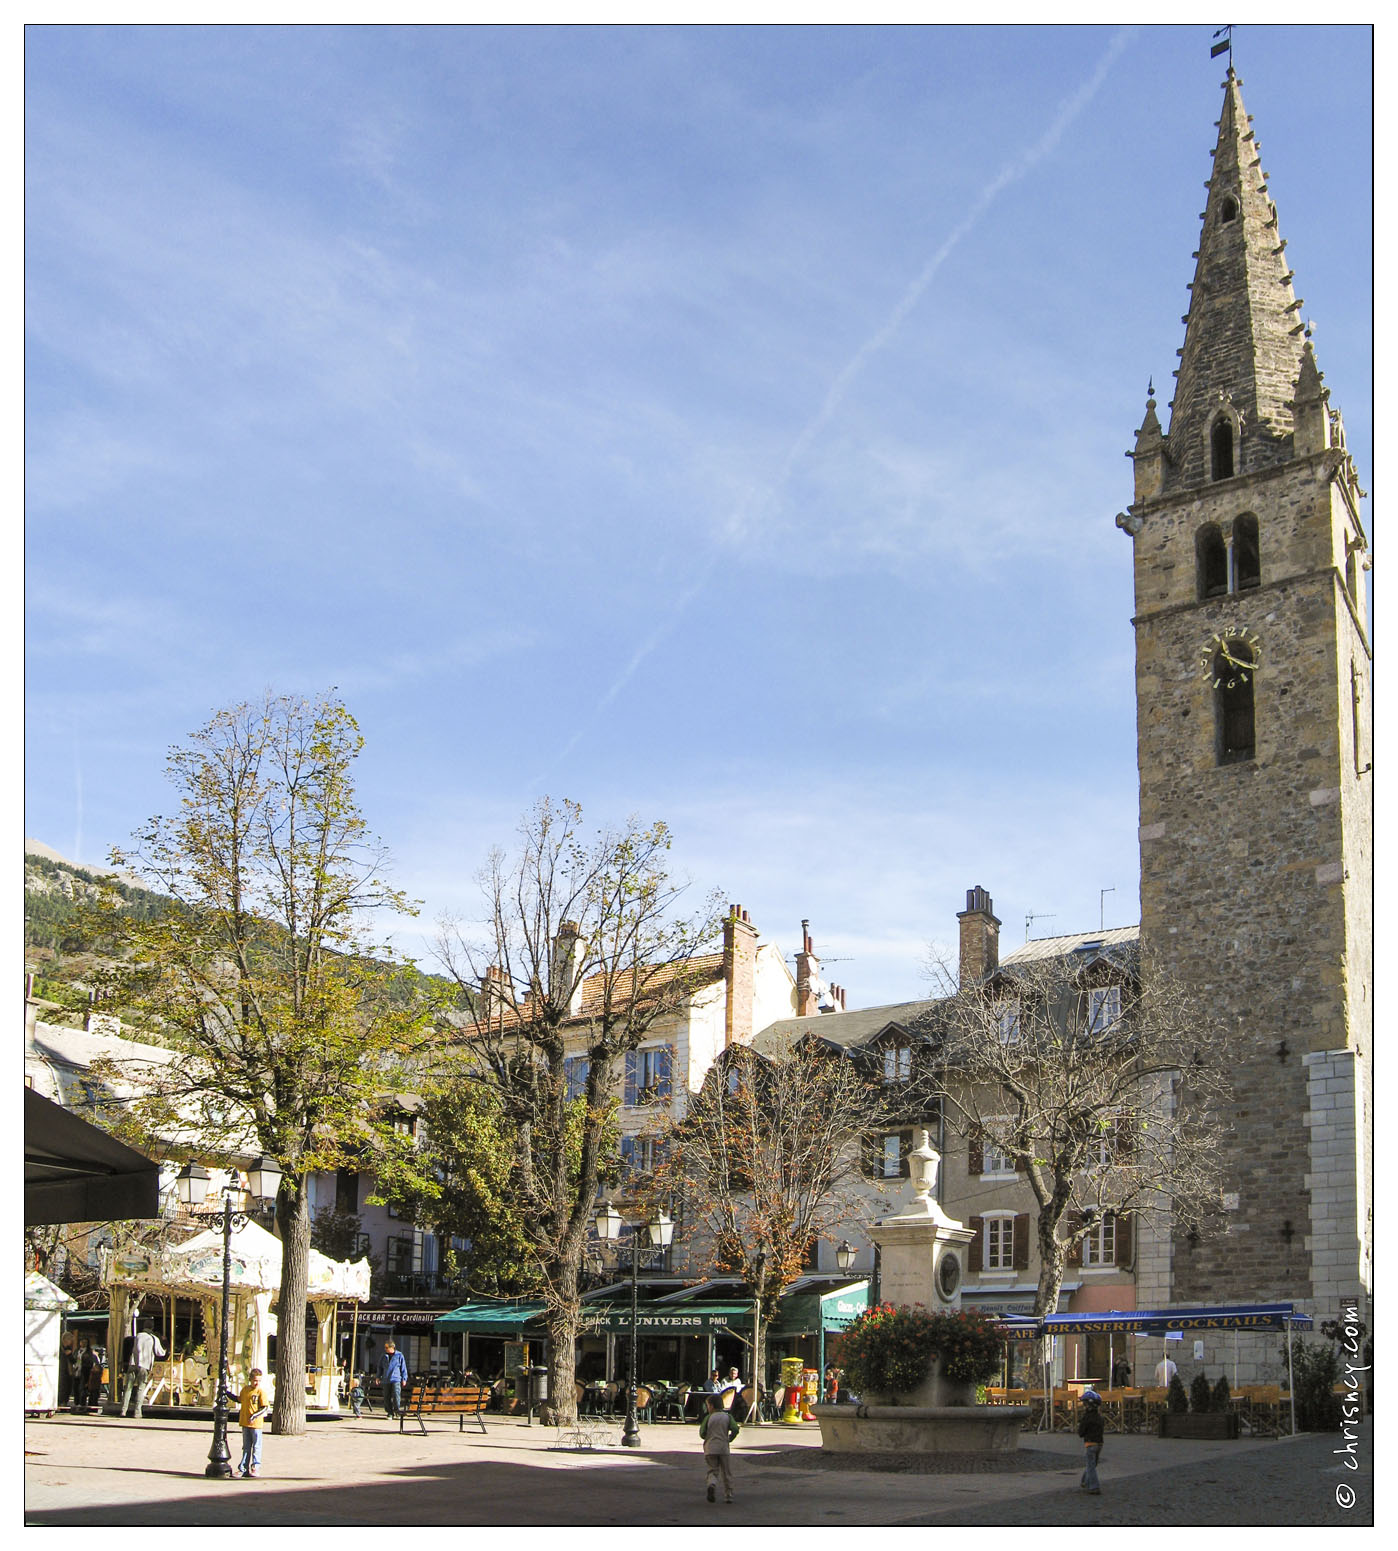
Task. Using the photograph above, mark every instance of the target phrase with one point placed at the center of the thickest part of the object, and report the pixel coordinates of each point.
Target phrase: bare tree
(584, 955)
(1102, 1085)
(768, 1160)
(259, 976)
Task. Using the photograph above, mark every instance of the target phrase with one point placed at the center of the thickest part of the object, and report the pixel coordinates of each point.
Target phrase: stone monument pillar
(922, 1250)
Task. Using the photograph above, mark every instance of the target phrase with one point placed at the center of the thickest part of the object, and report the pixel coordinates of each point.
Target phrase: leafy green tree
(262, 979)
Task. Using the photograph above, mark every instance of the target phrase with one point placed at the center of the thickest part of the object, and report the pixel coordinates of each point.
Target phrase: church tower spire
(1253, 718)
(1243, 336)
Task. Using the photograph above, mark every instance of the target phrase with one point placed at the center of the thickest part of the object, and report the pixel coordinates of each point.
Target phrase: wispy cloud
(751, 510)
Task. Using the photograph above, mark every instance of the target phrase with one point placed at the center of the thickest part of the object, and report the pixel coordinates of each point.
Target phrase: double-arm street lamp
(660, 1229)
(192, 1186)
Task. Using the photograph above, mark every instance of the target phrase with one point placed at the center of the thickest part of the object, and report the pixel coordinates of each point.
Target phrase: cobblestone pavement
(106, 1471)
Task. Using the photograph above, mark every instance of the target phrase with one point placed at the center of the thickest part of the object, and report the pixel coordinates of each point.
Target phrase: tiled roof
(840, 1028)
(703, 968)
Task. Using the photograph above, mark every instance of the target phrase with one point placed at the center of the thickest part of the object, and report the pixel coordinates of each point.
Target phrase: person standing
(1092, 1432)
(144, 1350)
(253, 1403)
(718, 1429)
(393, 1370)
(93, 1363)
(1165, 1370)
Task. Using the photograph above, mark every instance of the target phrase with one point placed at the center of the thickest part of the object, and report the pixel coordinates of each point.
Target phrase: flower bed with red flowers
(889, 1348)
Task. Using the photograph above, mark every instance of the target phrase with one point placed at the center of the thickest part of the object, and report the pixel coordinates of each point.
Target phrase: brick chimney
(980, 938)
(564, 969)
(492, 993)
(807, 976)
(739, 963)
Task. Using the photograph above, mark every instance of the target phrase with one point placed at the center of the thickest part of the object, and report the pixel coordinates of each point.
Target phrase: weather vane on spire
(1224, 47)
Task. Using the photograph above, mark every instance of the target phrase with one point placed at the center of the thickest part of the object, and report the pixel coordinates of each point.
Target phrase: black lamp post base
(631, 1440)
(219, 1470)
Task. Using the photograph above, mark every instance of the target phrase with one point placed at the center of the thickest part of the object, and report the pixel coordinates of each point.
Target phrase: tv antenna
(1036, 915)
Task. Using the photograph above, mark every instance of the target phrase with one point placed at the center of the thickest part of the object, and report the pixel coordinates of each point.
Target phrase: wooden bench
(458, 1400)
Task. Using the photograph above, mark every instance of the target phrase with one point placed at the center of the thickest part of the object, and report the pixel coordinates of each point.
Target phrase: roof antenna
(1036, 915)
(1102, 907)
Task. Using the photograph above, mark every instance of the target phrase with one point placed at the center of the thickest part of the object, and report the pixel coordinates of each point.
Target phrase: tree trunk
(562, 1326)
(294, 1223)
(1050, 1269)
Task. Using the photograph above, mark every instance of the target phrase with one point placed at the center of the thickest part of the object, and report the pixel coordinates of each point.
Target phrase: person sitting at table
(714, 1383)
(733, 1381)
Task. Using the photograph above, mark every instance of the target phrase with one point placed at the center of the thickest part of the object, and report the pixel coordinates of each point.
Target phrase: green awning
(801, 1313)
(667, 1319)
(491, 1319)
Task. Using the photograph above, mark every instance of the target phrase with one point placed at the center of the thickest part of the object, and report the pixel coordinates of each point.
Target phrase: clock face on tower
(1230, 657)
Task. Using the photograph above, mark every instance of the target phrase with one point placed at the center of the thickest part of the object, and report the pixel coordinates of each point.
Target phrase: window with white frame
(1103, 1008)
(886, 1154)
(995, 1159)
(1099, 1246)
(998, 1253)
(642, 1154)
(897, 1063)
(1009, 1021)
(647, 1075)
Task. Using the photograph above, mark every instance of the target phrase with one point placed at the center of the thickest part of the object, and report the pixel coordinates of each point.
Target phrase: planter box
(1198, 1424)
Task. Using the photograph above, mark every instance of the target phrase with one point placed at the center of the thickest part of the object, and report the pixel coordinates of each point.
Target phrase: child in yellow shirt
(253, 1405)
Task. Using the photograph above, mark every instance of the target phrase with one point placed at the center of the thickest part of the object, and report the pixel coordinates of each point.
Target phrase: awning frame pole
(1290, 1376)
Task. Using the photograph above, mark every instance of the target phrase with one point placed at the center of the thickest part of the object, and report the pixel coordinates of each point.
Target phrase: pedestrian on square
(253, 1403)
(393, 1370)
(92, 1377)
(1165, 1370)
(1091, 1431)
(145, 1348)
(718, 1428)
(356, 1394)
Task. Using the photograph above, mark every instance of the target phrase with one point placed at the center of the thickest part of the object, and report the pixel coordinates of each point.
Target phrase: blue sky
(720, 425)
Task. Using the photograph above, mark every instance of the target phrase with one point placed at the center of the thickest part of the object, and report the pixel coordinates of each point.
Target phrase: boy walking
(1091, 1431)
(253, 1404)
(718, 1428)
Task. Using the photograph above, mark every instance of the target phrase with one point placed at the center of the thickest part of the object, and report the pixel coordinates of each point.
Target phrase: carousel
(193, 1271)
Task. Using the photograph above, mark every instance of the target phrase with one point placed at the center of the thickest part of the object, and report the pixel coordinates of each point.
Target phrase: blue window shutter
(664, 1058)
(629, 1096)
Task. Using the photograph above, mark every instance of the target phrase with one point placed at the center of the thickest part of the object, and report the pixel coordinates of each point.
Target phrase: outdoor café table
(1133, 1410)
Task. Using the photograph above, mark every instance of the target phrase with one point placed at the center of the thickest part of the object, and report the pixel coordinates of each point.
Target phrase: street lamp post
(660, 1229)
(192, 1184)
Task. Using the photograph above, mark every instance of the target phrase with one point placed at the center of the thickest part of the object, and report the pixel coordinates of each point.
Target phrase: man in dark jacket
(1091, 1431)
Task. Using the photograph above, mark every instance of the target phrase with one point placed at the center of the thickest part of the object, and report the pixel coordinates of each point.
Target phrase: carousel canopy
(195, 1268)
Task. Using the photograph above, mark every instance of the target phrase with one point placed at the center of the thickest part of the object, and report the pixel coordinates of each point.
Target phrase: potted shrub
(911, 1357)
(1193, 1415)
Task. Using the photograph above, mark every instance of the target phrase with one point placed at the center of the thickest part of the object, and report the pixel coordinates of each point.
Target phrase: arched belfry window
(1211, 555)
(1228, 211)
(1221, 449)
(1247, 553)
(1234, 720)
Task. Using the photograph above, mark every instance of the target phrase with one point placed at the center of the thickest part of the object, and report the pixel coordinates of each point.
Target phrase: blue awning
(1241, 1316)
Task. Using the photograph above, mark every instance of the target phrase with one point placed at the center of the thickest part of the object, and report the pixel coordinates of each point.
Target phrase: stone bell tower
(1253, 668)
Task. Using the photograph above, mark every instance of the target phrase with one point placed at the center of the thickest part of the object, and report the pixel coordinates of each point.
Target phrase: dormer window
(1228, 211)
(1221, 449)
(897, 1064)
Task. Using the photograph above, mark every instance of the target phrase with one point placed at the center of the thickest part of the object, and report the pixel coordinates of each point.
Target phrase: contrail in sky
(1010, 173)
